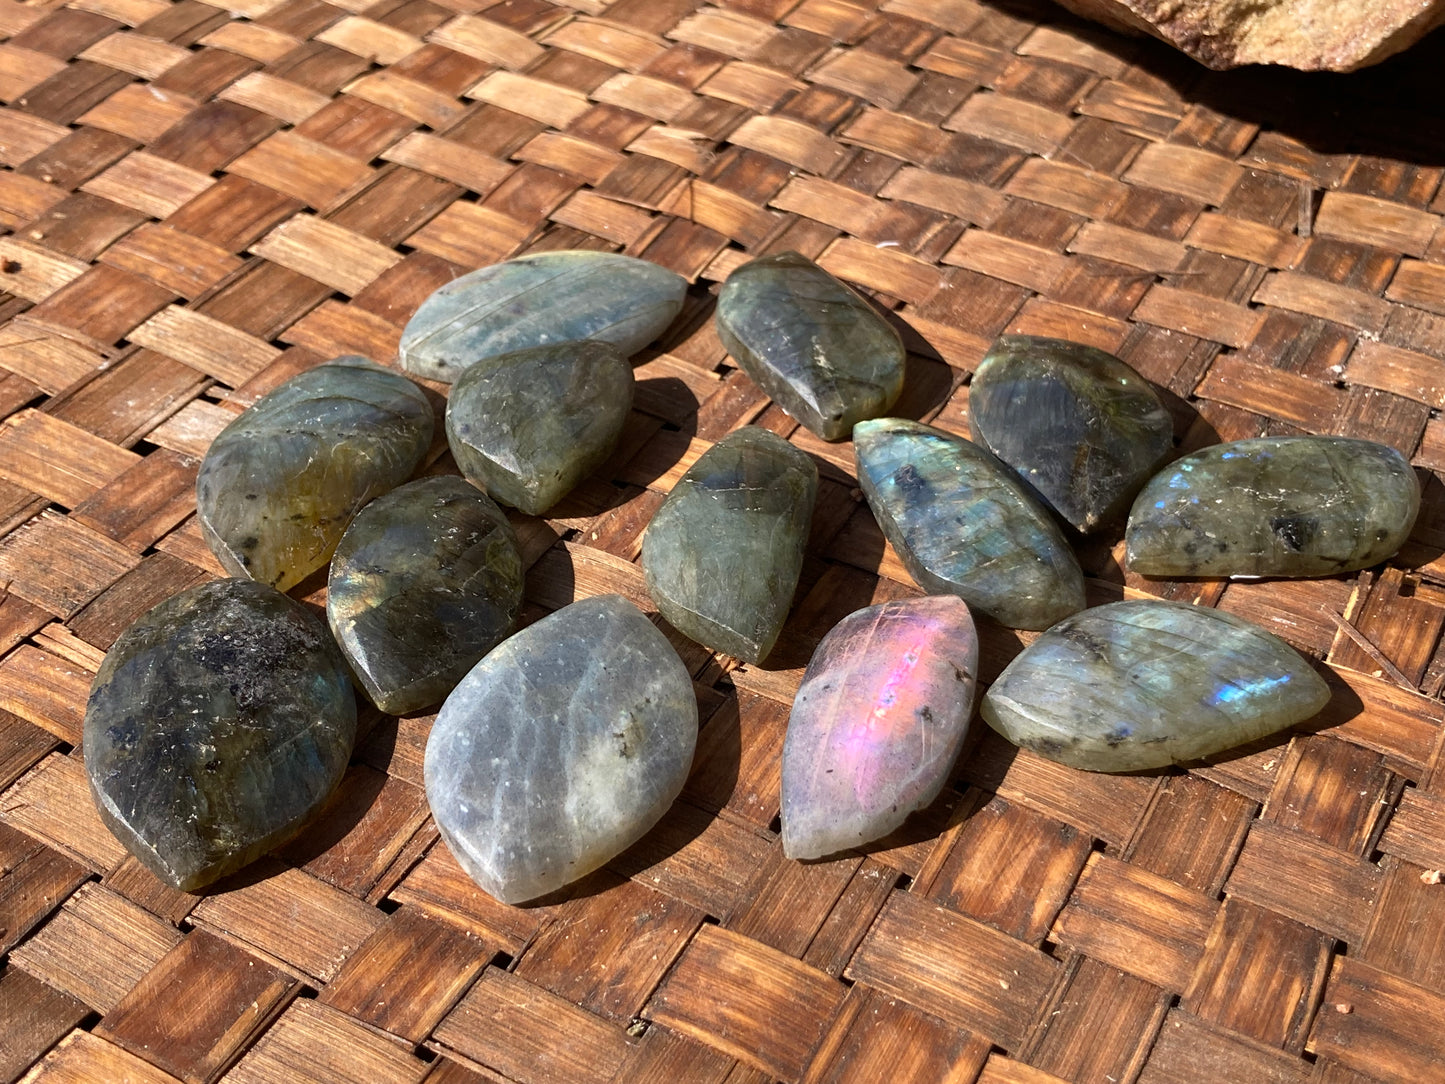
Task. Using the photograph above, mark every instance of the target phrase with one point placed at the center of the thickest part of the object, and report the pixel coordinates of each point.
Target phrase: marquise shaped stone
(540, 300)
(963, 524)
(278, 486)
(1145, 684)
(426, 580)
(217, 725)
(561, 748)
(1274, 506)
(877, 722)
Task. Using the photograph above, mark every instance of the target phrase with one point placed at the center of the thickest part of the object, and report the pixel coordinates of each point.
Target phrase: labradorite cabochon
(723, 554)
(540, 300)
(278, 486)
(877, 722)
(1081, 427)
(1145, 684)
(561, 748)
(817, 348)
(528, 426)
(217, 725)
(1274, 506)
(964, 524)
(426, 580)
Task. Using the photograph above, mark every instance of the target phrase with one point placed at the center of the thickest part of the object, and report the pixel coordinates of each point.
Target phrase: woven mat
(201, 200)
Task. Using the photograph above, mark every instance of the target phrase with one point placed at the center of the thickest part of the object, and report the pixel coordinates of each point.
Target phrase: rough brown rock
(1312, 35)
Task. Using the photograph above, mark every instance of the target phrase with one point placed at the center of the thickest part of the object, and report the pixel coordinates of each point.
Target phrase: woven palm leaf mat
(201, 200)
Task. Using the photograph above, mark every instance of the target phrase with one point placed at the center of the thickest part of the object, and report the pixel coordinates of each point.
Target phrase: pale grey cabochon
(217, 724)
(962, 523)
(811, 342)
(1274, 506)
(278, 486)
(1145, 683)
(540, 300)
(723, 554)
(561, 748)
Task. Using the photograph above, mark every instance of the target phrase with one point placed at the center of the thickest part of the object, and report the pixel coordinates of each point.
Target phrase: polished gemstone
(1080, 426)
(813, 344)
(1145, 684)
(217, 725)
(1274, 506)
(540, 300)
(877, 722)
(723, 554)
(280, 483)
(426, 580)
(528, 426)
(962, 523)
(561, 748)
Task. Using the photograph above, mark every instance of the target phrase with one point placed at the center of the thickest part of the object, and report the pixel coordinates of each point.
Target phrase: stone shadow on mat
(642, 462)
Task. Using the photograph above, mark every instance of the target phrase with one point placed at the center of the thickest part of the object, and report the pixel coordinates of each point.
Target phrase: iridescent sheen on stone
(962, 523)
(723, 554)
(877, 722)
(528, 426)
(561, 748)
(217, 725)
(540, 300)
(813, 344)
(1274, 506)
(1144, 684)
(1080, 426)
(279, 484)
(426, 580)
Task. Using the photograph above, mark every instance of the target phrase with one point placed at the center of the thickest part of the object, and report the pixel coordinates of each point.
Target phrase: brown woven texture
(201, 199)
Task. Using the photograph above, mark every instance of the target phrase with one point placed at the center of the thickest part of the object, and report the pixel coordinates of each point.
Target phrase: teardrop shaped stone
(1145, 684)
(528, 426)
(723, 554)
(540, 300)
(1080, 426)
(814, 345)
(217, 725)
(877, 722)
(1274, 506)
(278, 485)
(426, 580)
(963, 524)
(561, 748)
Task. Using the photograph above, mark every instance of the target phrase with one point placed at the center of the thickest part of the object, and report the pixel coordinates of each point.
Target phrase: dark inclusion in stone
(529, 426)
(1077, 424)
(723, 554)
(280, 483)
(1144, 684)
(963, 524)
(217, 725)
(1274, 506)
(540, 300)
(426, 580)
(813, 344)
(561, 748)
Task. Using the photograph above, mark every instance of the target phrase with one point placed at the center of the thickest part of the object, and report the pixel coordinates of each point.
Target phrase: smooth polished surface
(541, 300)
(1145, 683)
(528, 426)
(217, 725)
(561, 748)
(280, 483)
(962, 523)
(426, 580)
(1080, 426)
(812, 343)
(723, 554)
(1274, 506)
(877, 722)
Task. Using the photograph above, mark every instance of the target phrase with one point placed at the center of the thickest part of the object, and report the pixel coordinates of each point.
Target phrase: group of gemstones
(223, 718)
